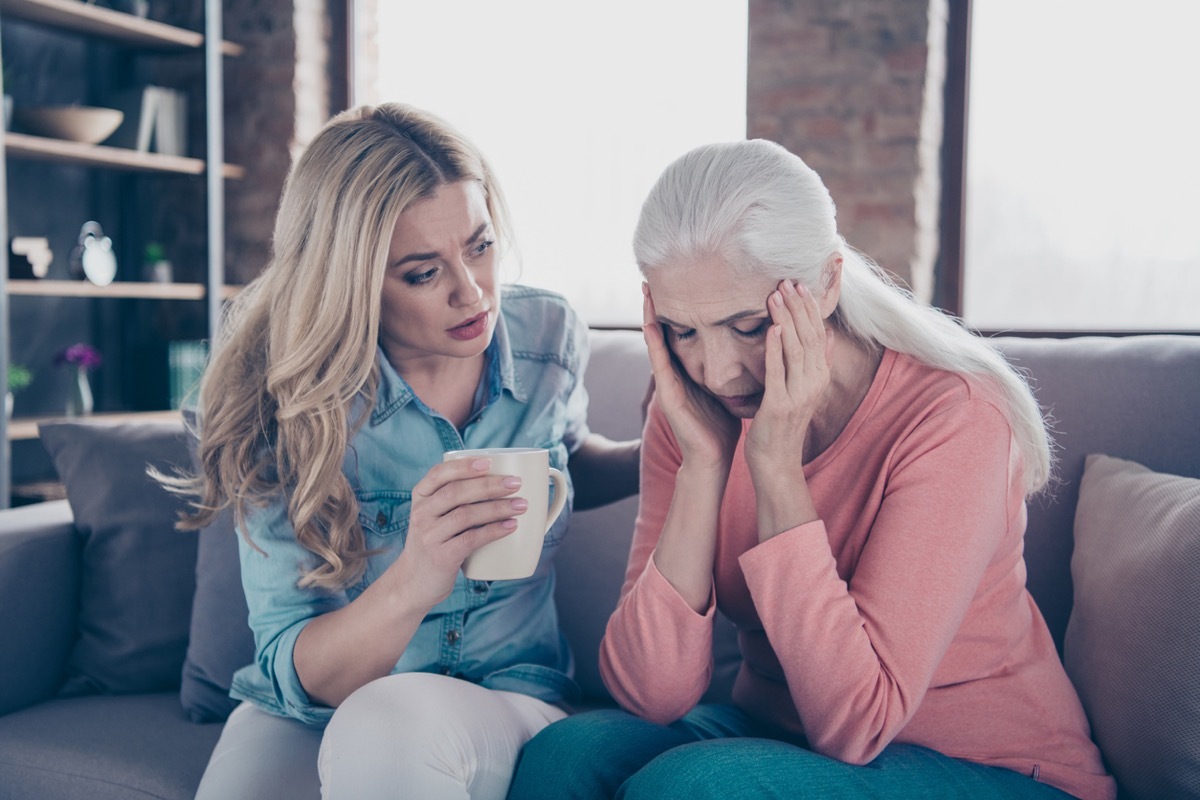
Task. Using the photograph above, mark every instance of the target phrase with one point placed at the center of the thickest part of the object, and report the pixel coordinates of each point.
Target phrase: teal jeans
(719, 753)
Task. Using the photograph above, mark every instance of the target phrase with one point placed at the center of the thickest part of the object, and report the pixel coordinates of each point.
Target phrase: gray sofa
(1134, 398)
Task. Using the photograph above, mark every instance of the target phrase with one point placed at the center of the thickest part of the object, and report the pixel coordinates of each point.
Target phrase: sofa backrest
(1133, 397)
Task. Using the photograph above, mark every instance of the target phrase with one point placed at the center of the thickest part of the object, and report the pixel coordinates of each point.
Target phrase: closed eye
(680, 335)
(756, 332)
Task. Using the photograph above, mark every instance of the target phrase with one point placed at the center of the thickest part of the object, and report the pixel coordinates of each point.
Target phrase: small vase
(79, 397)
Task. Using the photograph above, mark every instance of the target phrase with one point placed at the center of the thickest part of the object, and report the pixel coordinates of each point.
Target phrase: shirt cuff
(665, 593)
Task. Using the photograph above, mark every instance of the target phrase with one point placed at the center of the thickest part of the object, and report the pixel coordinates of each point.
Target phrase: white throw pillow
(1132, 646)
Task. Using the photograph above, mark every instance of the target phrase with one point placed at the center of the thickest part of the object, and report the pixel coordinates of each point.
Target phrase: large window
(579, 108)
(1083, 168)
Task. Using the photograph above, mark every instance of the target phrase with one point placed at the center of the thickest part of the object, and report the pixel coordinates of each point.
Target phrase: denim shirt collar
(393, 392)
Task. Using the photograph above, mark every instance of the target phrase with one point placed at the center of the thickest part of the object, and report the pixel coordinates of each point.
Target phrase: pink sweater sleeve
(859, 656)
(656, 654)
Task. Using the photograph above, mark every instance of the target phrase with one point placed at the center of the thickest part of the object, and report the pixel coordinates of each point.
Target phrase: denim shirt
(499, 634)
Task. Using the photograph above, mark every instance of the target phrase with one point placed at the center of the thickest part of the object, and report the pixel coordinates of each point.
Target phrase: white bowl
(73, 123)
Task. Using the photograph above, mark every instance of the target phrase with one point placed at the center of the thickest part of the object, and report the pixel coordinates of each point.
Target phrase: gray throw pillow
(137, 574)
(221, 641)
(1133, 643)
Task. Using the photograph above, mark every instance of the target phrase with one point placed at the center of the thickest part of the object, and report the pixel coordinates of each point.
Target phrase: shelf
(43, 148)
(80, 17)
(25, 428)
(161, 291)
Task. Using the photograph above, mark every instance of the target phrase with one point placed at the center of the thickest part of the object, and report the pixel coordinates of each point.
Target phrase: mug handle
(560, 498)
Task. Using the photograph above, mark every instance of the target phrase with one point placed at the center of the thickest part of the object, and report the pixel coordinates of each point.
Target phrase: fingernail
(519, 503)
(801, 290)
(789, 287)
(508, 524)
(512, 482)
(481, 464)
(776, 298)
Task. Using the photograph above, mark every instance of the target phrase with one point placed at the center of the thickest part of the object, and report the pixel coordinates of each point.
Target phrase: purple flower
(79, 354)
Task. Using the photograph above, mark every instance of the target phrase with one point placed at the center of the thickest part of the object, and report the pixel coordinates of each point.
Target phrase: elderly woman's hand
(706, 432)
(797, 376)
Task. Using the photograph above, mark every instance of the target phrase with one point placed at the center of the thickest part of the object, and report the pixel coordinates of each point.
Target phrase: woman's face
(716, 323)
(439, 294)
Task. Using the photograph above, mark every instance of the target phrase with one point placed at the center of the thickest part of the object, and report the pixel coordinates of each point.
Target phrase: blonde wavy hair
(764, 211)
(299, 343)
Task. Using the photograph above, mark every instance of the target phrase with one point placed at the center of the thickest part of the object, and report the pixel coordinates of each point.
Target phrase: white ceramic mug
(516, 555)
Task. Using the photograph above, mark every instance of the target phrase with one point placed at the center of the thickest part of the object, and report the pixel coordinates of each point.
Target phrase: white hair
(762, 210)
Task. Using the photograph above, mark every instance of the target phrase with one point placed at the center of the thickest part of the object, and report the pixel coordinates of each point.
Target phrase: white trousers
(413, 735)
(417, 735)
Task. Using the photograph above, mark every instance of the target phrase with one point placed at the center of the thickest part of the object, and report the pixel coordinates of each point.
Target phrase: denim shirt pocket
(383, 515)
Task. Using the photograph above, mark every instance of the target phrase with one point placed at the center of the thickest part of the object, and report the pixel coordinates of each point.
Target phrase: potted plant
(18, 378)
(156, 264)
(81, 358)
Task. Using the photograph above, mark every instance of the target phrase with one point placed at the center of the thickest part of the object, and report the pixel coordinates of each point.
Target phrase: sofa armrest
(39, 595)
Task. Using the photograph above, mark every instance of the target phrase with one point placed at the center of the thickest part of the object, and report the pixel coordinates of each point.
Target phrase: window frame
(950, 269)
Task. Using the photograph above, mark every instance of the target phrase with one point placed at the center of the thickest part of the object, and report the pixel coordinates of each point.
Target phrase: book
(170, 122)
(155, 120)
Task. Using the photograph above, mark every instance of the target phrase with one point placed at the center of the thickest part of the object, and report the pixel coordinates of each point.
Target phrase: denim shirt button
(479, 588)
(444, 670)
(453, 636)
(381, 519)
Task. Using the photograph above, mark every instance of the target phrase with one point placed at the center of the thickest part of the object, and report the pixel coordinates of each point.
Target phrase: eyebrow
(751, 312)
(432, 255)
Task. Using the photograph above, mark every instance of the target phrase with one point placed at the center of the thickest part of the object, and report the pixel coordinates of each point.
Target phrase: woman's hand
(456, 509)
(706, 432)
(797, 376)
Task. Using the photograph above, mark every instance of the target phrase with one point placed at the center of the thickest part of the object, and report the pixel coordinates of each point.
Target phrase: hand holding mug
(457, 508)
(516, 553)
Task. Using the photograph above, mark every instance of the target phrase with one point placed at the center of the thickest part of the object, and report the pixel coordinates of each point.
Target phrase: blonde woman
(378, 338)
(843, 472)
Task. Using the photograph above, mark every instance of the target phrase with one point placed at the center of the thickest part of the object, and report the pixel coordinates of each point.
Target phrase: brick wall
(854, 87)
(276, 98)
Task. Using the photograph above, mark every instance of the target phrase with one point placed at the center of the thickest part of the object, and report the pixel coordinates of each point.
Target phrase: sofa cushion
(1132, 640)
(221, 641)
(103, 748)
(137, 571)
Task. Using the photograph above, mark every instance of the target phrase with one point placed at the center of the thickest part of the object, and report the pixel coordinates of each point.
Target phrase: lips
(470, 328)
(740, 400)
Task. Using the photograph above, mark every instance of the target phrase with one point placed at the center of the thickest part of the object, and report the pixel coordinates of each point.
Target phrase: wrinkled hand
(797, 377)
(706, 432)
(456, 509)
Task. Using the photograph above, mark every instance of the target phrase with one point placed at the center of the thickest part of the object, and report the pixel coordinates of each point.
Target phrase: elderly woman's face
(716, 323)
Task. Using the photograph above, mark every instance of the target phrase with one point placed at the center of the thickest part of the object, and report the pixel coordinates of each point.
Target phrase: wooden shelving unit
(125, 31)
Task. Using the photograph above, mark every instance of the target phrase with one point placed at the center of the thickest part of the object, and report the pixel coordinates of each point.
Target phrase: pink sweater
(900, 616)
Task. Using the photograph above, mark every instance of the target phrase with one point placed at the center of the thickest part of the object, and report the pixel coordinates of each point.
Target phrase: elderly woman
(843, 472)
